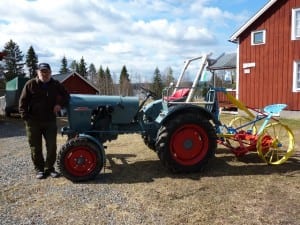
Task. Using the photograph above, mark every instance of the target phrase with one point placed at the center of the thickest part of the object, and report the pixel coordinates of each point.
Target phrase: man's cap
(44, 66)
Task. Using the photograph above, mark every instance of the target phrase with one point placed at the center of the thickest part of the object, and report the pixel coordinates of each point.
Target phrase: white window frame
(295, 23)
(296, 76)
(263, 37)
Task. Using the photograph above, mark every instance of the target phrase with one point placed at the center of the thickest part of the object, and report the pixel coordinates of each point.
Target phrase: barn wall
(76, 85)
(271, 80)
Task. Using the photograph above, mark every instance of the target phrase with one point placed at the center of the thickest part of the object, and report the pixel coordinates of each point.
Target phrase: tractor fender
(96, 142)
(180, 109)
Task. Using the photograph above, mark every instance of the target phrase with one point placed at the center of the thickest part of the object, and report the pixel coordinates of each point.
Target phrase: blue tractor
(178, 129)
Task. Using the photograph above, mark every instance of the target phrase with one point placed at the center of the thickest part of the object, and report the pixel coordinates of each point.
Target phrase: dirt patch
(134, 188)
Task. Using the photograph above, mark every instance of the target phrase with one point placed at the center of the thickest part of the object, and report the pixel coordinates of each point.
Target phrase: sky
(141, 34)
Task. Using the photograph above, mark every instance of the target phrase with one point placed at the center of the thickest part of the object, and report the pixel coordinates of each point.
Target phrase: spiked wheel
(276, 144)
(240, 124)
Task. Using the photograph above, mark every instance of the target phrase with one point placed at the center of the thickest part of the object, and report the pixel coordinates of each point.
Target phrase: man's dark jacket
(38, 99)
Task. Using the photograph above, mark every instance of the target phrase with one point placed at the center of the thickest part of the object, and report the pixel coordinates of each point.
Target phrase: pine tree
(169, 78)
(125, 85)
(13, 64)
(74, 66)
(64, 66)
(31, 62)
(109, 82)
(157, 84)
(82, 68)
(91, 73)
(101, 81)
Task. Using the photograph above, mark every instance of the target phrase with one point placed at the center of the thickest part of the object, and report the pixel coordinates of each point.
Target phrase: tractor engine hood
(81, 107)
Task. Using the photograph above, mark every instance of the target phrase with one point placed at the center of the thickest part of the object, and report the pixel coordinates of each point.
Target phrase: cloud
(141, 34)
(118, 48)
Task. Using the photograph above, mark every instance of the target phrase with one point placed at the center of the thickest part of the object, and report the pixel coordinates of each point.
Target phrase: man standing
(41, 99)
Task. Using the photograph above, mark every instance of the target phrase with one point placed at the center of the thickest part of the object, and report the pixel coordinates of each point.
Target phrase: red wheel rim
(189, 144)
(80, 161)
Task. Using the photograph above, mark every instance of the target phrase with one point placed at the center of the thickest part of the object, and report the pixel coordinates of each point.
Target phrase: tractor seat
(179, 94)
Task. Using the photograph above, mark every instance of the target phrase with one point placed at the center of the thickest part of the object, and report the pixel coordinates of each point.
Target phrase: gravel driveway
(26, 200)
(135, 189)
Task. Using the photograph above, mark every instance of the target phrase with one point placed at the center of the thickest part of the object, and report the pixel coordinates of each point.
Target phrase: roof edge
(85, 80)
(82, 78)
(235, 36)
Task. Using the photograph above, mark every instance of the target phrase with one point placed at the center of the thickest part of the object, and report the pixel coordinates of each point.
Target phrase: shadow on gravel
(122, 171)
(14, 126)
(11, 127)
(248, 165)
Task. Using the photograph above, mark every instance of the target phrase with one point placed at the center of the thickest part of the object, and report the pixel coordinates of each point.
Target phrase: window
(258, 37)
(296, 76)
(296, 24)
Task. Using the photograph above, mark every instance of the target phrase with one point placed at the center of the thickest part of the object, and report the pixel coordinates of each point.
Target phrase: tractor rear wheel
(148, 141)
(186, 142)
(80, 159)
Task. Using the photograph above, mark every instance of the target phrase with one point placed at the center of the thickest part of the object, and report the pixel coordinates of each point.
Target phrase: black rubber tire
(7, 113)
(89, 160)
(148, 142)
(172, 128)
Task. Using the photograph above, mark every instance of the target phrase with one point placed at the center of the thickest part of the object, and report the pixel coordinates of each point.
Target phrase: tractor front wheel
(79, 160)
(186, 142)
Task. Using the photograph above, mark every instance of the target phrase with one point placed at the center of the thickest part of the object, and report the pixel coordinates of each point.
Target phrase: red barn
(76, 84)
(268, 56)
